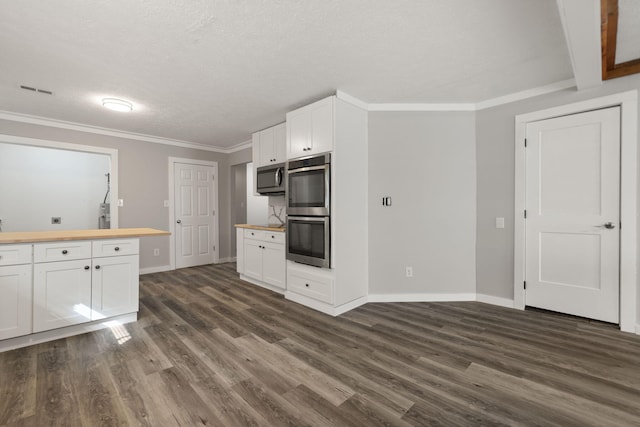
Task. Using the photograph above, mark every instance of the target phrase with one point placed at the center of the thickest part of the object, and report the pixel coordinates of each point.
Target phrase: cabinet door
(298, 133)
(267, 147)
(253, 258)
(280, 143)
(15, 301)
(61, 294)
(115, 286)
(273, 264)
(322, 127)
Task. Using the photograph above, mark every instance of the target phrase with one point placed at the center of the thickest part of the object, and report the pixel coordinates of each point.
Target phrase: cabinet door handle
(86, 267)
(306, 284)
(97, 267)
(117, 249)
(64, 252)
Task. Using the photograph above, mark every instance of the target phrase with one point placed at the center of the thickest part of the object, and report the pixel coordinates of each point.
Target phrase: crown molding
(61, 124)
(238, 147)
(493, 102)
(529, 93)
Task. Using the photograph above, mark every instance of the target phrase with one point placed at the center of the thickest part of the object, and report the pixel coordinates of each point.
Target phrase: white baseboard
(638, 329)
(262, 284)
(490, 299)
(224, 260)
(158, 269)
(54, 334)
(420, 297)
(350, 305)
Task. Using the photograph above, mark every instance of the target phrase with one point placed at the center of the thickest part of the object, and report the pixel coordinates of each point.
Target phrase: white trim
(628, 102)
(421, 297)
(156, 269)
(638, 329)
(112, 153)
(238, 147)
(54, 334)
(499, 301)
(529, 93)
(61, 124)
(351, 100)
(423, 107)
(324, 307)
(172, 223)
(226, 260)
(262, 284)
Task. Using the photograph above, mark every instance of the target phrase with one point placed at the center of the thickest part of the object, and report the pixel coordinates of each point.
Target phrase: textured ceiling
(212, 72)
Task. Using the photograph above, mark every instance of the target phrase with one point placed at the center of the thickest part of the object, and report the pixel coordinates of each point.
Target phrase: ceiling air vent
(35, 89)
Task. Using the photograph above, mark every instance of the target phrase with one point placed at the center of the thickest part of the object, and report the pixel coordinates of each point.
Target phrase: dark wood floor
(209, 349)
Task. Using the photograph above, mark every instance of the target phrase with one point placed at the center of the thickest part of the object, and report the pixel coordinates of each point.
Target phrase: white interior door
(194, 214)
(573, 214)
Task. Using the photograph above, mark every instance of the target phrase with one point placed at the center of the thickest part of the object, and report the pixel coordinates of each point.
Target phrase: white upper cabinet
(269, 146)
(310, 129)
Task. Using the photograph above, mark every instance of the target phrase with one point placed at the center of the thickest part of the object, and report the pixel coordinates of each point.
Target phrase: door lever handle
(608, 225)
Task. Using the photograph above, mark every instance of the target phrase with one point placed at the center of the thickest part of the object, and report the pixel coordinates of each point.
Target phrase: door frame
(628, 103)
(215, 230)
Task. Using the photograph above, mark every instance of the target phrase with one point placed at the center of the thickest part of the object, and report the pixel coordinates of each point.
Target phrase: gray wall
(143, 182)
(238, 201)
(427, 163)
(495, 133)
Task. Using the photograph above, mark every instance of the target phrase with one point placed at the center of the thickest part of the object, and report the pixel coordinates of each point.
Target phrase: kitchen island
(55, 284)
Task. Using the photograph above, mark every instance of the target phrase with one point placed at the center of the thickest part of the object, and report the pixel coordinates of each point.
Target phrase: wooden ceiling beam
(609, 12)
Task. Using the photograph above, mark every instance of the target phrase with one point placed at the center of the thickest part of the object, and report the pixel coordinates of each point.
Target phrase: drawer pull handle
(117, 249)
(86, 267)
(64, 252)
(97, 267)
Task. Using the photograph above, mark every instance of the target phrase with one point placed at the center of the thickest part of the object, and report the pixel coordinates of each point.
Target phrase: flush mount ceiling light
(116, 104)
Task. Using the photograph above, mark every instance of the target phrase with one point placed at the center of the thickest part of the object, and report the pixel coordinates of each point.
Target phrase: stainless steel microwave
(309, 186)
(270, 179)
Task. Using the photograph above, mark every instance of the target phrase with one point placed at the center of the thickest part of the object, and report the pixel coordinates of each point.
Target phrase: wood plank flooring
(211, 350)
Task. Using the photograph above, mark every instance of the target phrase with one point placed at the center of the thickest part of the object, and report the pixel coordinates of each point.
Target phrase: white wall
(426, 162)
(257, 206)
(38, 183)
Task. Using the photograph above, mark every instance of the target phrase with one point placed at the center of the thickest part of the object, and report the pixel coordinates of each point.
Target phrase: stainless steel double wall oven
(308, 194)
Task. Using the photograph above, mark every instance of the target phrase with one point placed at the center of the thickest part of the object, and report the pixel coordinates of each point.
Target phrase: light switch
(499, 222)
(120, 203)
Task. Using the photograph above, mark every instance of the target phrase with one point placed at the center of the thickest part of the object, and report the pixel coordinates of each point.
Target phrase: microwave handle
(278, 176)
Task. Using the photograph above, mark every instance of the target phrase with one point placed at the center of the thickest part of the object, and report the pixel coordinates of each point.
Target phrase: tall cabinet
(336, 126)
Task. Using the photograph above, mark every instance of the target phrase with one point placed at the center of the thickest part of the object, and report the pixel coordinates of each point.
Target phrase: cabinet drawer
(116, 247)
(15, 254)
(62, 251)
(316, 287)
(274, 237)
(254, 234)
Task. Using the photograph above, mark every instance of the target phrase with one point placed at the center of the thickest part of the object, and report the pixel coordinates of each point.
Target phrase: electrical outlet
(56, 220)
(409, 271)
(156, 252)
(120, 203)
(166, 203)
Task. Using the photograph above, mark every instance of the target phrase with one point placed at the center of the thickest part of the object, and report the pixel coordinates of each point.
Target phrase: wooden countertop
(52, 236)
(269, 227)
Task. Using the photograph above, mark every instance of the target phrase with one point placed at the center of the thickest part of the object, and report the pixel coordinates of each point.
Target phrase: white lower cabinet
(61, 294)
(261, 257)
(15, 300)
(114, 289)
(75, 291)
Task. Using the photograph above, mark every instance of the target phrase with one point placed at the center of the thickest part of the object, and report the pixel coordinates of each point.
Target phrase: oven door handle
(310, 168)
